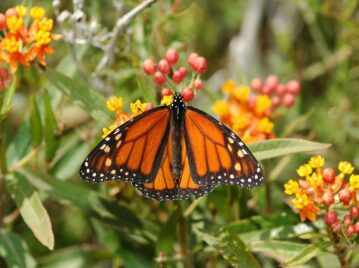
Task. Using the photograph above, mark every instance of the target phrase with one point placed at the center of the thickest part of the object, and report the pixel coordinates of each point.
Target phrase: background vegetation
(49, 217)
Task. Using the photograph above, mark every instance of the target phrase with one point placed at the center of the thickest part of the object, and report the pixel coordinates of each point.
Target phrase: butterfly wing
(217, 155)
(133, 151)
(164, 186)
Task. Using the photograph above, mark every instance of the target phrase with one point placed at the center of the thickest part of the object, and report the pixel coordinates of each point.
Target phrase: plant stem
(183, 236)
(339, 250)
(268, 190)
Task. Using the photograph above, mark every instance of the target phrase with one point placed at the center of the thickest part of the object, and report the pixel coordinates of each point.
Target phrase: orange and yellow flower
(22, 43)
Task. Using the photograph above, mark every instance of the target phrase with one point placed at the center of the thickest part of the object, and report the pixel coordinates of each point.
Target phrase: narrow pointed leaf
(31, 208)
(15, 252)
(35, 122)
(50, 126)
(7, 101)
(279, 147)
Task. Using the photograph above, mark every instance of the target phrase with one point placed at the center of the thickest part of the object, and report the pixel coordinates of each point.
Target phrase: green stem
(339, 250)
(183, 236)
(268, 190)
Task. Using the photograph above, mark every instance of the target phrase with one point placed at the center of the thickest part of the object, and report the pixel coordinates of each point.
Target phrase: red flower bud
(345, 196)
(356, 227)
(183, 72)
(2, 21)
(354, 213)
(267, 90)
(10, 12)
(257, 84)
(288, 100)
(276, 101)
(192, 59)
(293, 87)
(347, 220)
(172, 56)
(281, 90)
(329, 175)
(149, 106)
(349, 232)
(328, 198)
(197, 84)
(272, 82)
(200, 65)
(177, 77)
(187, 94)
(164, 66)
(166, 92)
(149, 67)
(337, 227)
(159, 78)
(331, 217)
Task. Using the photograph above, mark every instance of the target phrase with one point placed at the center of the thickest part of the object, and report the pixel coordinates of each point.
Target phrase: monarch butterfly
(172, 152)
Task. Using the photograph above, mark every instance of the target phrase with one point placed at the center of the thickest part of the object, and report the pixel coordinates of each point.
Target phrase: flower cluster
(22, 42)
(171, 79)
(326, 190)
(114, 104)
(249, 110)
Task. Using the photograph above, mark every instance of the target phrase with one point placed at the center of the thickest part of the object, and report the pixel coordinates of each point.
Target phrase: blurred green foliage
(57, 115)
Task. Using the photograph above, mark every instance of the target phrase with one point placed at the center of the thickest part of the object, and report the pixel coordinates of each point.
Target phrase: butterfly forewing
(133, 151)
(216, 154)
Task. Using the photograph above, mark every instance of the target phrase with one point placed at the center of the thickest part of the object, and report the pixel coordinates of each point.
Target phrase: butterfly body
(172, 152)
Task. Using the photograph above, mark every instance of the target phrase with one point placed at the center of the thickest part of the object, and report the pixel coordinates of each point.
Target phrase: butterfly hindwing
(133, 151)
(216, 154)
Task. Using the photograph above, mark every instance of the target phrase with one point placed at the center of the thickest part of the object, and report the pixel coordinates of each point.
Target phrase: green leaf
(231, 247)
(308, 253)
(167, 234)
(7, 101)
(81, 95)
(279, 147)
(35, 122)
(50, 124)
(31, 208)
(87, 200)
(19, 145)
(277, 250)
(15, 251)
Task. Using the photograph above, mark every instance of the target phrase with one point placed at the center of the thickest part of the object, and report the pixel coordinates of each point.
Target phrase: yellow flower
(345, 167)
(316, 161)
(14, 23)
(301, 200)
(315, 180)
(37, 13)
(45, 24)
(228, 86)
(291, 187)
(42, 38)
(11, 44)
(263, 102)
(114, 104)
(247, 138)
(354, 182)
(108, 130)
(241, 92)
(265, 125)
(138, 107)
(239, 122)
(220, 107)
(304, 170)
(21, 10)
(167, 100)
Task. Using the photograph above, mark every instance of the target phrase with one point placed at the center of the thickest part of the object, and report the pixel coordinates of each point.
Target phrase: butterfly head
(177, 106)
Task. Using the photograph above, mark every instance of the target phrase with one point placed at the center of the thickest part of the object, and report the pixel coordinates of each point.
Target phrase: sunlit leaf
(15, 251)
(7, 99)
(82, 95)
(279, 147)
(308, 252)
(31, 208)
(87, 200)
